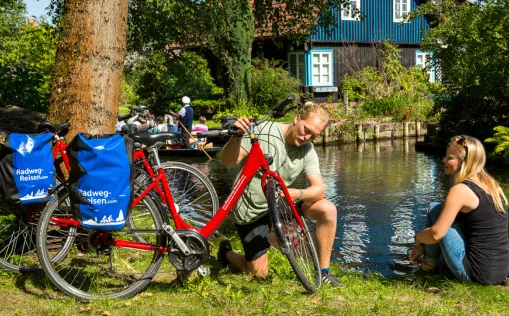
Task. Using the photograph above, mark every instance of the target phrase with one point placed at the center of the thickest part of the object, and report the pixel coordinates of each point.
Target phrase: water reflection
(381, 190)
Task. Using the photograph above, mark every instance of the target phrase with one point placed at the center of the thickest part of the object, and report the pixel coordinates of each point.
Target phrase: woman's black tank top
(486, 236)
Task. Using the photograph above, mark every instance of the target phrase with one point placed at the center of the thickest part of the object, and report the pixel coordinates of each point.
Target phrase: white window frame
(402, 13)
(425, 58)
(297, 74)
(346, 12)
(320, 75)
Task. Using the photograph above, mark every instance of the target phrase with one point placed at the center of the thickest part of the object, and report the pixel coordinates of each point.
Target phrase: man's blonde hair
(311, 107)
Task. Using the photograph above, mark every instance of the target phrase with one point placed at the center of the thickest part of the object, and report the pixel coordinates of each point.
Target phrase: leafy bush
(392, 90)
(501, 140)
(208, 108)
(163, 78)
(270, 83)
(365, 83)
(27, 55)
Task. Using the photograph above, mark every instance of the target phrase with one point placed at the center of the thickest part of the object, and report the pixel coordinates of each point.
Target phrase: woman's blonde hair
(311, 107)
(473, 156)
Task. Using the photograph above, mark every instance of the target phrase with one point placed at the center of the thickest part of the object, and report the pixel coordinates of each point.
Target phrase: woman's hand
(416, 254)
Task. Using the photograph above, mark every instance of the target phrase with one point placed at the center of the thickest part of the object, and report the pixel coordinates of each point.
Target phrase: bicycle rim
(296, 242)
(18, 251)
(194, 196)
(86, 271)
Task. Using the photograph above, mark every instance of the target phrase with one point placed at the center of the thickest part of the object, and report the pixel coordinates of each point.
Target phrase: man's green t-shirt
(289, 161)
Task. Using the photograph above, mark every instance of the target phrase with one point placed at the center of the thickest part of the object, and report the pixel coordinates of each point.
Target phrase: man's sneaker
(224, 247)
(331, 280)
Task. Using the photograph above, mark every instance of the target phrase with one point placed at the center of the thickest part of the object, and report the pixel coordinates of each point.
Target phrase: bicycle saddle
(60, 129)
(152, 139)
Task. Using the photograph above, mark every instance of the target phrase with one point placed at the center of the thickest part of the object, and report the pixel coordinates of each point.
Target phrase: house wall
(377, 25)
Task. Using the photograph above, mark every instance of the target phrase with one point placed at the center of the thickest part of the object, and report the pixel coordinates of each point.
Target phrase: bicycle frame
(61, 148)
(255, 161)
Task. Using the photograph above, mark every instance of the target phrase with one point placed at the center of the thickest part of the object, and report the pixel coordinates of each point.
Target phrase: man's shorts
(255, 237)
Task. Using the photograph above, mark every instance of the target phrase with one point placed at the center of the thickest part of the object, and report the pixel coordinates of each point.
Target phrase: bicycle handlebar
(278, 112)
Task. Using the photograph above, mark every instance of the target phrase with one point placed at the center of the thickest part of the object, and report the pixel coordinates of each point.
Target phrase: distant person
(185, 118)
(468, 233)
(199, 128)
(170, 123)
(161, 125)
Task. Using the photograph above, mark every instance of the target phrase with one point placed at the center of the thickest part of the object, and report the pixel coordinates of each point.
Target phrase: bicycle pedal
(203, 271)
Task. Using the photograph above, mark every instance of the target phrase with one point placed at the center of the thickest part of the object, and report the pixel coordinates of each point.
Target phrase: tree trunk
(89, 63)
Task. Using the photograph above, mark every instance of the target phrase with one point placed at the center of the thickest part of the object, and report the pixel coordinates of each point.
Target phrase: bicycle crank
(198, 251)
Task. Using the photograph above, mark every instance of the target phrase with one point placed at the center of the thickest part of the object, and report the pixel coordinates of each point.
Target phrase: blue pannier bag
(101, 180)
(27, 169)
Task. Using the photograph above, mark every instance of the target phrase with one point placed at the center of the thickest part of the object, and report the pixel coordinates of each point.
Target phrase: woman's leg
(451, 247)
(432, 252)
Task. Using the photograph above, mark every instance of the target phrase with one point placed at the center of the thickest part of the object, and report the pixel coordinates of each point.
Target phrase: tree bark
(89, 63)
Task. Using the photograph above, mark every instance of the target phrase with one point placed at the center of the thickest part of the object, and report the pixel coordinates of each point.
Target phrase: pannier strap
(152, 139)
(60, 129)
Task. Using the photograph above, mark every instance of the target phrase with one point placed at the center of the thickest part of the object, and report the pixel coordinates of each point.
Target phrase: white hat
(186, 100)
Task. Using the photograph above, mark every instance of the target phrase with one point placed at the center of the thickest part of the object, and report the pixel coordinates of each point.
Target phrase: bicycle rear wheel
(18, 225)
(295, 242)
(94, 267)
(194, 195)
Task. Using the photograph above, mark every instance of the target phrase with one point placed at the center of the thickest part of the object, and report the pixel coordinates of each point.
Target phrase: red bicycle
(197, 203)
(18, 222)
(121, 263)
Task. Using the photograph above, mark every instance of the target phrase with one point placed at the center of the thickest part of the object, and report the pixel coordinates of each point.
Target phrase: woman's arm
(459, 197)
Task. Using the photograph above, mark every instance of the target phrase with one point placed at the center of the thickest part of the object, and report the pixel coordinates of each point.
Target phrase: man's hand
(294, 194)
(242, 124)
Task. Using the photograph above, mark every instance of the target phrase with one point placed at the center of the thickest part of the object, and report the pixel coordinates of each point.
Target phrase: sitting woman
(198, 128)
(469, 233)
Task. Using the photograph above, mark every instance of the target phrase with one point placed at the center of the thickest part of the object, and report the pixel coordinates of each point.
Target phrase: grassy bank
(227, 293)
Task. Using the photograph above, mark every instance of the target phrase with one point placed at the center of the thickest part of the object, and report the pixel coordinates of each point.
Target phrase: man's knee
(323, 210)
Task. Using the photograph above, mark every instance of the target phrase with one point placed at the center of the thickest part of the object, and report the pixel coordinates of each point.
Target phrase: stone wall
(374, 131)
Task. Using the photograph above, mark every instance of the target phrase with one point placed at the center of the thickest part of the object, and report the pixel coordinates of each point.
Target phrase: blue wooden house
(321, 63)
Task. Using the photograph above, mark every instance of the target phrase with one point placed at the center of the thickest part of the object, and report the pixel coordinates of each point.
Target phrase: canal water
(381, 191)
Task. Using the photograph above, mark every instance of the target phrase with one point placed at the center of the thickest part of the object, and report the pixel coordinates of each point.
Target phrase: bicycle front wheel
(193, 194)
(95, 267)
(295, 242)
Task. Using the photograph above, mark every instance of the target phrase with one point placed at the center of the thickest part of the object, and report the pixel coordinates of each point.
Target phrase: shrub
(162, 79)
(270, 84)
(501, 140)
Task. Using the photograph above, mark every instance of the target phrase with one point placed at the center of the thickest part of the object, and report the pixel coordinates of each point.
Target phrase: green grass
(227, 293)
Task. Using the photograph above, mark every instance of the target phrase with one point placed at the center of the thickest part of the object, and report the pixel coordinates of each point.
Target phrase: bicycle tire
(85, 272)
(296, 243)
(193, 193)
(17, 238)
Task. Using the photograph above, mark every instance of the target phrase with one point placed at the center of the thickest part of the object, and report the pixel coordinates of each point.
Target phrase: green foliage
(270, 83)
(226, 28)
(501, 140)
(127, 94)
(392, 90)
(208, 107)
(27, 54)
(469, 43)
(162, 79)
